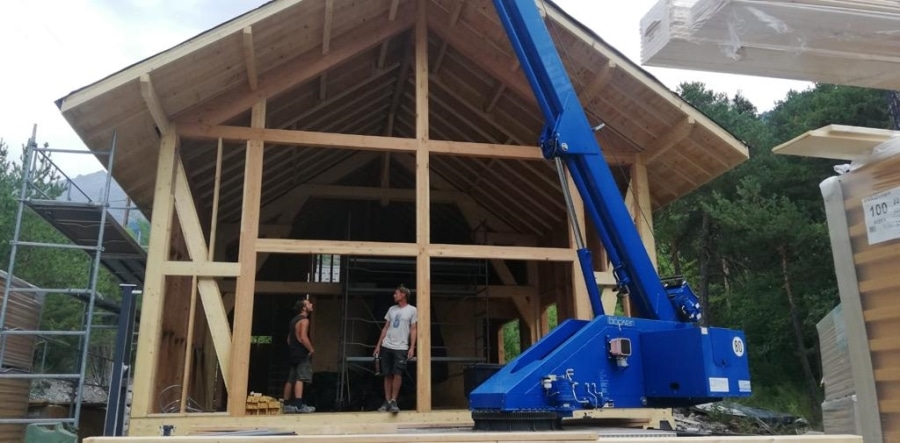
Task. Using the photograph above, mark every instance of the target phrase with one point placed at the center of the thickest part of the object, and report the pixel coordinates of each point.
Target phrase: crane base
(516, 421)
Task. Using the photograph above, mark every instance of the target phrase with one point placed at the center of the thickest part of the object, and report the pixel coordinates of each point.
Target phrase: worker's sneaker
(290, 409)
(393, 407)
(384, 406)
(305, 409)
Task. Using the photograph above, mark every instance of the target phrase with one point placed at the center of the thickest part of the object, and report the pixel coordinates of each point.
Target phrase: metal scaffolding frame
(90, 228)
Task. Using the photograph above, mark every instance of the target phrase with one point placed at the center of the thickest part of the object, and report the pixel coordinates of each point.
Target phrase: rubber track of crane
(516, 421)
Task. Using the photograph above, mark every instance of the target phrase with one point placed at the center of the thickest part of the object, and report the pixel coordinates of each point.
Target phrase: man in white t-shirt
(396, 345)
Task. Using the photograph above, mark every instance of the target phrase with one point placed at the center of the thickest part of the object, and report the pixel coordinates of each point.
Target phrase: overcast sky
(52, 47)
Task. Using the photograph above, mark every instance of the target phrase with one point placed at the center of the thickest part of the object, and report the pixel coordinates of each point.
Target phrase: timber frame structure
(246, 143)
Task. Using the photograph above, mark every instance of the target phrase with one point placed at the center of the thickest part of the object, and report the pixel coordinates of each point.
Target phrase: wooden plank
(298, 70)
(201, 268)
(857, 337)
(153, 297)
(154, 105)
(213, 308)
(250, 58)
(245, 290)
(423, 211)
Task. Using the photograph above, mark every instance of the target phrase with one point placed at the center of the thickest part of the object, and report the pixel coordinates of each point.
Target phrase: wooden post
(643, 213)
(246, 282)
(423, 218)
(581, 304)
(154, 281)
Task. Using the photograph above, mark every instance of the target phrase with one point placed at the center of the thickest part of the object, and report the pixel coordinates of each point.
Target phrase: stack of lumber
(852, 42)
(258, 404)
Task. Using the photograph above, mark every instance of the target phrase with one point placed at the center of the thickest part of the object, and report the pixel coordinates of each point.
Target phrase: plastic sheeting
(844, 42)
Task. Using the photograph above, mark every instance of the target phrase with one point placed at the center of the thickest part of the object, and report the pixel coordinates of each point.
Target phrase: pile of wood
(258, 404)
(852, 42)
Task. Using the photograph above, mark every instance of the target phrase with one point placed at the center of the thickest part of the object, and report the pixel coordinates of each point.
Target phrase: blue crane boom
(662, 357)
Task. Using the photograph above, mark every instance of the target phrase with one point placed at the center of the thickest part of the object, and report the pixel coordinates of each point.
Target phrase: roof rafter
(299, 70)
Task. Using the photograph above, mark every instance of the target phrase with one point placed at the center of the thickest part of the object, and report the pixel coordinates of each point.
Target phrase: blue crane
(660, 358)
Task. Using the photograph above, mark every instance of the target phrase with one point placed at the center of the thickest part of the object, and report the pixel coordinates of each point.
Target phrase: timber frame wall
(175, 219)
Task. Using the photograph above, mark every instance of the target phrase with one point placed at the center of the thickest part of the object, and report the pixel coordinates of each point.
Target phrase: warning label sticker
(718, 384)
(882, 212)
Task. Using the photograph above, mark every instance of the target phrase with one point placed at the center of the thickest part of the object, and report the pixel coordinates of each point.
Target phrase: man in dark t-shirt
(300, 351)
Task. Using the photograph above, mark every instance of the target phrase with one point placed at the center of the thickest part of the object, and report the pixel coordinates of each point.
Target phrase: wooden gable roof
(343, 66)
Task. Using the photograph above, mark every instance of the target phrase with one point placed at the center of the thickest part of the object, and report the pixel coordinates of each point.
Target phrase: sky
(53, 47)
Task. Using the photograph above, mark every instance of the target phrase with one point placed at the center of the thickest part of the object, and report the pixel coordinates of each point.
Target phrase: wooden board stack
(852, 42)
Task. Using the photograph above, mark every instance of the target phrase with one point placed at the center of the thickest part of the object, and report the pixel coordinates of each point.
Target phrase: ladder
(38, 201)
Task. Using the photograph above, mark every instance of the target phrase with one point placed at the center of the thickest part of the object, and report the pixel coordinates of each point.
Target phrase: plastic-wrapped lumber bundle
(832, 41)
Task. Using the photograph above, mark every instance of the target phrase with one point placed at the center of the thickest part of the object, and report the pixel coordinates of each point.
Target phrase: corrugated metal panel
(23, 311)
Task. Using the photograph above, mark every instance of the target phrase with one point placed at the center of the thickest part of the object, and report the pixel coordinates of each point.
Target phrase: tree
(756, 240)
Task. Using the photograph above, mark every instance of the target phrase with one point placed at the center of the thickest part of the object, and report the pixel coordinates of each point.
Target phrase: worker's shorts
(301, 371)
(393, 361)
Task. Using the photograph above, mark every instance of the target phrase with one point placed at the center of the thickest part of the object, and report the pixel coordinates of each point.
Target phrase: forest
(753, 243)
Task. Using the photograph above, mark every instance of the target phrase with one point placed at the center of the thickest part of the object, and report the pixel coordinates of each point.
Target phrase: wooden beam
(298, 70)
(495, 97)
(357, 142)
(201, 268)
(423, 211)
(290, 287)
(486, 150)
(370, 193)
(485, 56)
(511, 239)
(439, 60)
(153, 298)
(581, 303)
(353, 91)
(323, 86)
(246, 282)
(640, 185)
(148, 92)
(287, 137)
(326, 26)
(672, 137)
(392, 12)
(250, 58)
(502, 252)
(292, 246)
(601, 79)
(216, 316)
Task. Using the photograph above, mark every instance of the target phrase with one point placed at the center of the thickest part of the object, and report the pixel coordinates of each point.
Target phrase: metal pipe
(570, 205)
(95, 269)
(118, 385)
(13, 249)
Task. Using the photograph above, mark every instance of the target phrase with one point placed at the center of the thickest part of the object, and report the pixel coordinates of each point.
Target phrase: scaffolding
(90, 228)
